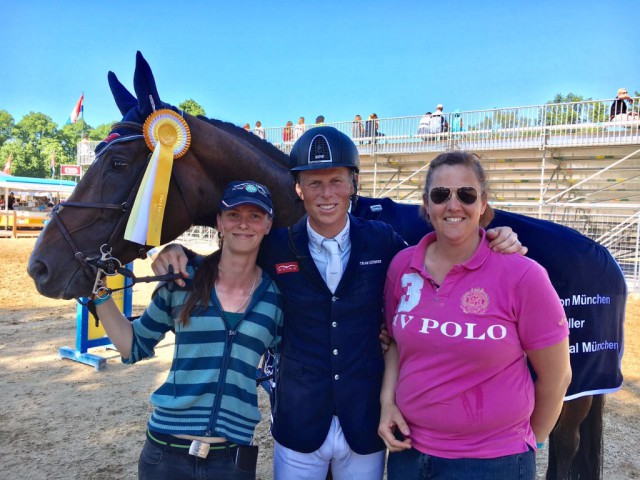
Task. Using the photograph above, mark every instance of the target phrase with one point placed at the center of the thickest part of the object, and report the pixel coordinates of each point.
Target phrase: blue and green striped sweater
(211, 387)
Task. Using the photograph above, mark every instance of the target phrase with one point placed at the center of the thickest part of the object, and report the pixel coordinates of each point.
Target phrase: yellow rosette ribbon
(167, 135)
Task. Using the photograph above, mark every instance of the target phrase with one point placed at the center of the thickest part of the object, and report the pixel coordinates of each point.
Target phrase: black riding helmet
(323, 147)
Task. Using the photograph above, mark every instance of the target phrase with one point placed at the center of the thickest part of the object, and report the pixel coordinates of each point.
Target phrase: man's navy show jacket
(331, 358)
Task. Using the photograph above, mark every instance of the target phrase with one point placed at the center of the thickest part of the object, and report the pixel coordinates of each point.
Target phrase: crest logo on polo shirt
(475, 301)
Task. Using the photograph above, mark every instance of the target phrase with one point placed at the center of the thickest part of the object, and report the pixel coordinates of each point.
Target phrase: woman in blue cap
(224, 320)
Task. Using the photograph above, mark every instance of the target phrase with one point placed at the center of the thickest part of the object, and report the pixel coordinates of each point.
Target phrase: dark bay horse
(62, 264)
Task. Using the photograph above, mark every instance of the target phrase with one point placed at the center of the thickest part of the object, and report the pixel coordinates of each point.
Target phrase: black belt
(182, 444)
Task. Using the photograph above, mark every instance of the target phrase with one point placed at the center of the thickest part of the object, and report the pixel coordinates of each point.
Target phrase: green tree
(34, 127)
(572, 108)
(499, 119)
(100, 132)
(568, 98)
(52, 146)
(28, 161)
(7, 124)
(14, 148)
(192, 107)
(69, 136)
(37, 135)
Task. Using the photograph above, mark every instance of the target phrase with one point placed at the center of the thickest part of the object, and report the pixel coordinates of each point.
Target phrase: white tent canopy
(35, 186)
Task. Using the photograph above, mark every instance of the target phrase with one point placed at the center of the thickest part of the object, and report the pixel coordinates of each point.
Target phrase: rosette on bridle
(168, 136)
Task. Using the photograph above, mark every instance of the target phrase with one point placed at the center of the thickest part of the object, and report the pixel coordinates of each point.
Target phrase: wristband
(99, 300)
(539, 445)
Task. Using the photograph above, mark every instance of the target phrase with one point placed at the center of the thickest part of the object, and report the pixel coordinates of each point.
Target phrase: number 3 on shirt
(413, 283)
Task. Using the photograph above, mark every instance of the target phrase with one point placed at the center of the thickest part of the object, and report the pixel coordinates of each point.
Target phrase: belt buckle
(199, 449)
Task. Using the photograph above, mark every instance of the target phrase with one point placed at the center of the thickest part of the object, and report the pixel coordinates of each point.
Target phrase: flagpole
(82, 114)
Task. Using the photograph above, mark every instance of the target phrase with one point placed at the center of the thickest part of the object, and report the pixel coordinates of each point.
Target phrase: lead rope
(110, 266)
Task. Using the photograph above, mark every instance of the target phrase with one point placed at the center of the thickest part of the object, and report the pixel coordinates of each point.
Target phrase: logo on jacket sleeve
(475, 300)
(289, 267)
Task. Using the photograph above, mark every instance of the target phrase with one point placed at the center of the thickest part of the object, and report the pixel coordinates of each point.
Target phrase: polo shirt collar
(475, 262)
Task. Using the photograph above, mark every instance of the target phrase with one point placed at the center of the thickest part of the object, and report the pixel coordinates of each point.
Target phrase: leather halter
(105, 264)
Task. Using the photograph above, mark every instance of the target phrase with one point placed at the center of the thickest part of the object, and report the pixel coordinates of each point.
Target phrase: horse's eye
(119, 165)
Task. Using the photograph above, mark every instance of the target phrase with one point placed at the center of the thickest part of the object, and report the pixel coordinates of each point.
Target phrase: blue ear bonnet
(134, 110)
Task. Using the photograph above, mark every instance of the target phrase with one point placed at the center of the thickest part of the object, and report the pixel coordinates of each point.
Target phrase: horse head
(62, 263)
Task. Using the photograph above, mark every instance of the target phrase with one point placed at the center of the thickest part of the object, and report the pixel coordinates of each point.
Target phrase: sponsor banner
(70, 170)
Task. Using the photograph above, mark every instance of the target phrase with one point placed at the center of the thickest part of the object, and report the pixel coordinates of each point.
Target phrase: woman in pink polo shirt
(458, 400)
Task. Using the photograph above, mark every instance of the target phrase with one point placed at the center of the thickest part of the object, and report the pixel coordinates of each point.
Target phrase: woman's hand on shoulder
(505, 240)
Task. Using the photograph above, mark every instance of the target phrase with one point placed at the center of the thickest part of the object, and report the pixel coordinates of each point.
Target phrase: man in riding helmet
(330, 267)
(327, 399)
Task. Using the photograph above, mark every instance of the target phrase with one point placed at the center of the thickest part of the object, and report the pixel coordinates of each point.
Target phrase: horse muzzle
(73, 283)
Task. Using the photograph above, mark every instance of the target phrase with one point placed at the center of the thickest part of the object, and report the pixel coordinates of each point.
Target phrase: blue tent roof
(36, 184)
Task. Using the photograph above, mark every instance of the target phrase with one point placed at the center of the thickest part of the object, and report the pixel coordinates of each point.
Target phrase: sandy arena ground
(62, 419)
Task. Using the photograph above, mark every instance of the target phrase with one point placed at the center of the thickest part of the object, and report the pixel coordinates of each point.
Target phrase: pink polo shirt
(464, 387)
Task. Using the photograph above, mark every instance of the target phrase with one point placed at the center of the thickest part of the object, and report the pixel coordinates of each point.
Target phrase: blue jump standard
(81, 352)
(87, 358)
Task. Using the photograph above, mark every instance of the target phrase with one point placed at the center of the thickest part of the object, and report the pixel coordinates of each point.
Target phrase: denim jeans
(414, 465)
(163, 463)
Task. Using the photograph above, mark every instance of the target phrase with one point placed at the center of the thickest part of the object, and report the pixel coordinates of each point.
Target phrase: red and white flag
(7, 166)
(77, 110)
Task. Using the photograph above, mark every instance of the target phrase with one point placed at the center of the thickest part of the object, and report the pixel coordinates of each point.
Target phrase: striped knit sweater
(211, 387)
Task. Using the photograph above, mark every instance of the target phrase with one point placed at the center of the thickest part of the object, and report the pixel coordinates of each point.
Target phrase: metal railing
(85, 152)
(620, 234)
(586, 123)
(199, 234)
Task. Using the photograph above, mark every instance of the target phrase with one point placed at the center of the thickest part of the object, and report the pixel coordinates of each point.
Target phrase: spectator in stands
(259, 131)
(619, 106)
(439, 122)
(319, 120)
(247, 127)
(371, 127)
(456, 121)
(299, 129)
(287, 133)
(357, 129)
(424, 125)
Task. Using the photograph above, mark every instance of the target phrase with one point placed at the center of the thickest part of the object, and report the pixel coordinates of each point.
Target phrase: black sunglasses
(467, 195)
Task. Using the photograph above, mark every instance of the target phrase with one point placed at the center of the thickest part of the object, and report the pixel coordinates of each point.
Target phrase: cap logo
(250, 188)
(319, 150)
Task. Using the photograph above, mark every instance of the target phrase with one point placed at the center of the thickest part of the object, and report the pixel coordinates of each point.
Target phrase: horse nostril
(37, 270)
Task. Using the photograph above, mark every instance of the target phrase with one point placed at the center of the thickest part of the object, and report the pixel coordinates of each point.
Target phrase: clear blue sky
(274, 61)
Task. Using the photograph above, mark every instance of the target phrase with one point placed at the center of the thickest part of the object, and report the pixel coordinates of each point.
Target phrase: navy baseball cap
(246, 192)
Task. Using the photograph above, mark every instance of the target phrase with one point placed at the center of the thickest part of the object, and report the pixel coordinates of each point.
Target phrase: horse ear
(124, 100)
(145, 87)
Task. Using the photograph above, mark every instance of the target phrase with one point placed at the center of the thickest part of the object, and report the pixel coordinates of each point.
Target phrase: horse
(65, 259)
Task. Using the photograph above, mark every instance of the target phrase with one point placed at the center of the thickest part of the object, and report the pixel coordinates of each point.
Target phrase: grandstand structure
(570, 163)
